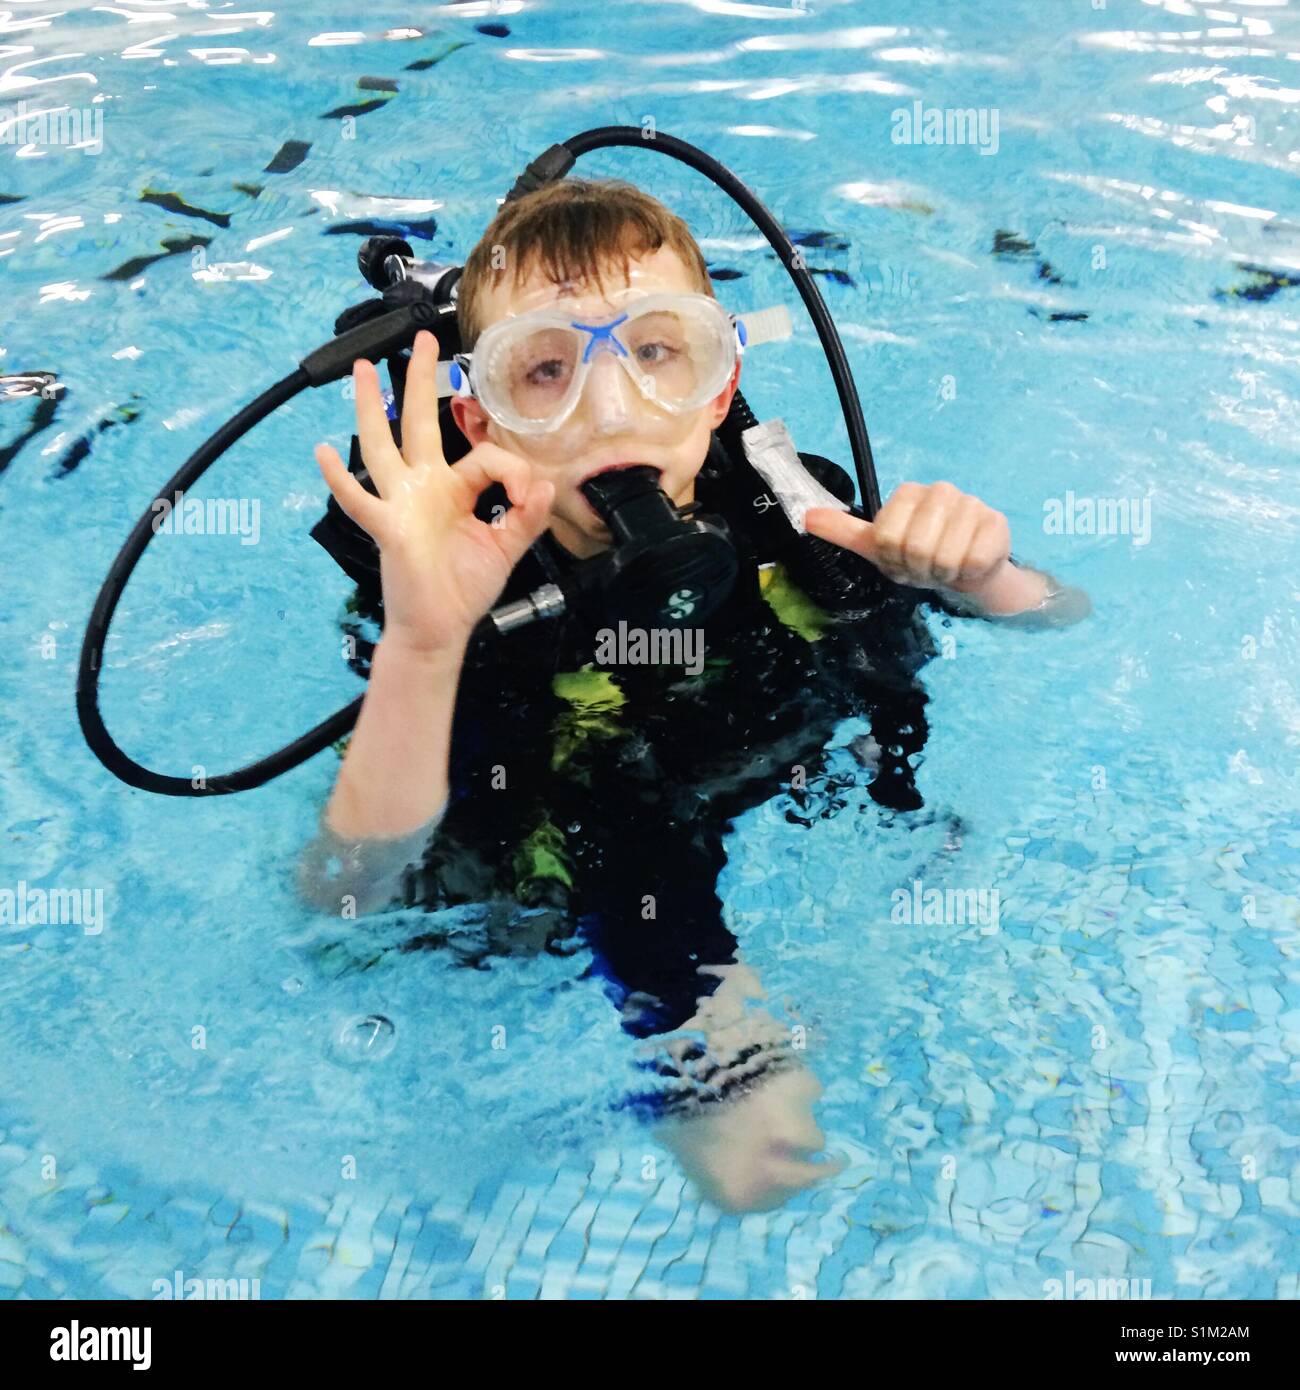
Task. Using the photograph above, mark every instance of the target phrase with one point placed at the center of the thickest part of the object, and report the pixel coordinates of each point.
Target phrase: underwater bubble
(575, 827)
(292, 985)
(365, 1038)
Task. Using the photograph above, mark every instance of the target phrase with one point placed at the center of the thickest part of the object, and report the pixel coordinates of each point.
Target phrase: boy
(511, 771)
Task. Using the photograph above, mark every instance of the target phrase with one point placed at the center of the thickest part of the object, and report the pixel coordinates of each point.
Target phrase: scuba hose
(327, 364)
(559, 159)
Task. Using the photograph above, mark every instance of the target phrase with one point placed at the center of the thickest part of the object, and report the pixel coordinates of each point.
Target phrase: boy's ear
(722, 401)
(471, 419)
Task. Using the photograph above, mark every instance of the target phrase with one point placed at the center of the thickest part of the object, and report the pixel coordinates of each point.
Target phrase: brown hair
(573, 229)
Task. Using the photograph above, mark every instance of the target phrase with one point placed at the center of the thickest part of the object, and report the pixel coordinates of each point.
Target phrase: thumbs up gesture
(937, 537)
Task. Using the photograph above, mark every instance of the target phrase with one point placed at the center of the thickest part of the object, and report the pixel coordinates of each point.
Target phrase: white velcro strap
(771, 451)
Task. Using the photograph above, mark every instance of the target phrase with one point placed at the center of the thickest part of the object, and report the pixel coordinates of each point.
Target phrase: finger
(523, 523)
(383, 460)
(489, 463)
(421, 431)
(853, 534)
(796, 1137)
(796, 1173)
(925, 528)
(989, 549)
(363, 507)
(891, 524)
(950, 555)
(830, 524)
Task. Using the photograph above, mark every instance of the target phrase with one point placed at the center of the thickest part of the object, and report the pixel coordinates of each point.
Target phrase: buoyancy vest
(536, 708)
(775, 557)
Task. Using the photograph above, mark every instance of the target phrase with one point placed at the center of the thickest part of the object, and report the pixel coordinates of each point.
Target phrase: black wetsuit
(593, 808)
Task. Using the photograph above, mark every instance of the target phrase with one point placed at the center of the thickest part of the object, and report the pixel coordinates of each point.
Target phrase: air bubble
(365, 1038)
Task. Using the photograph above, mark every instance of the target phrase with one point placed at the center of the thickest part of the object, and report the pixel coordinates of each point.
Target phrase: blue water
(1102, 1088)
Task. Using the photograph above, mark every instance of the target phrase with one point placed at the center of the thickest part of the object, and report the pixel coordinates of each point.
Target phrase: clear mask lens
(678, 351)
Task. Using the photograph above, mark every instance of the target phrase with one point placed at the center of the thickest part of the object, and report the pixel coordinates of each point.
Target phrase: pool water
(1093, 301)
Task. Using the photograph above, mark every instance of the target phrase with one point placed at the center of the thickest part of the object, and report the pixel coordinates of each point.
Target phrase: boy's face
(612, 422)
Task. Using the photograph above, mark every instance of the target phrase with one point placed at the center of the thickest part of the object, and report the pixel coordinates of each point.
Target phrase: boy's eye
(543, 363)
(547, 373)
(659, 341)
(656, 354)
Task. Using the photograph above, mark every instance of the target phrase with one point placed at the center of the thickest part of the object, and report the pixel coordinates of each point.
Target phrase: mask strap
(763, 326)
(452, 377)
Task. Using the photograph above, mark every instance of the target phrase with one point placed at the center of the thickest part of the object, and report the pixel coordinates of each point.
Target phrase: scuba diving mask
(679, 350)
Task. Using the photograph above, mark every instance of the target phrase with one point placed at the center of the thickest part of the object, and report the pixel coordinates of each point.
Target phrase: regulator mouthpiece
(629, 501)
(663, 570)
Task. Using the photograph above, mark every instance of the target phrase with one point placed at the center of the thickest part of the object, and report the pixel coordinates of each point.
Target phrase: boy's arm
(1021, 597)
(938, 538)
(441, 568)
(741, 1044)
(392, 789)
(741, 1122)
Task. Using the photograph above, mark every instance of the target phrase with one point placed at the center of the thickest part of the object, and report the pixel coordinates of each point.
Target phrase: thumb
(830, 524)
(523, 523)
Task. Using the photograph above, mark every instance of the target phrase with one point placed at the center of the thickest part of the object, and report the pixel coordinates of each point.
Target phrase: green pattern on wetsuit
(541, 856)
(594, 699)
(795, 609)
(595, 704)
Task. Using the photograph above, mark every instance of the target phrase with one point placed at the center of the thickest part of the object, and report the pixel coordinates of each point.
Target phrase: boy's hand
(928, 537)
(440, 566)
(754, 1153)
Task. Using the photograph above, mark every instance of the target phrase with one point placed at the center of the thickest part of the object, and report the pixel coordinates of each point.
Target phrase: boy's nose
(606, 390)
